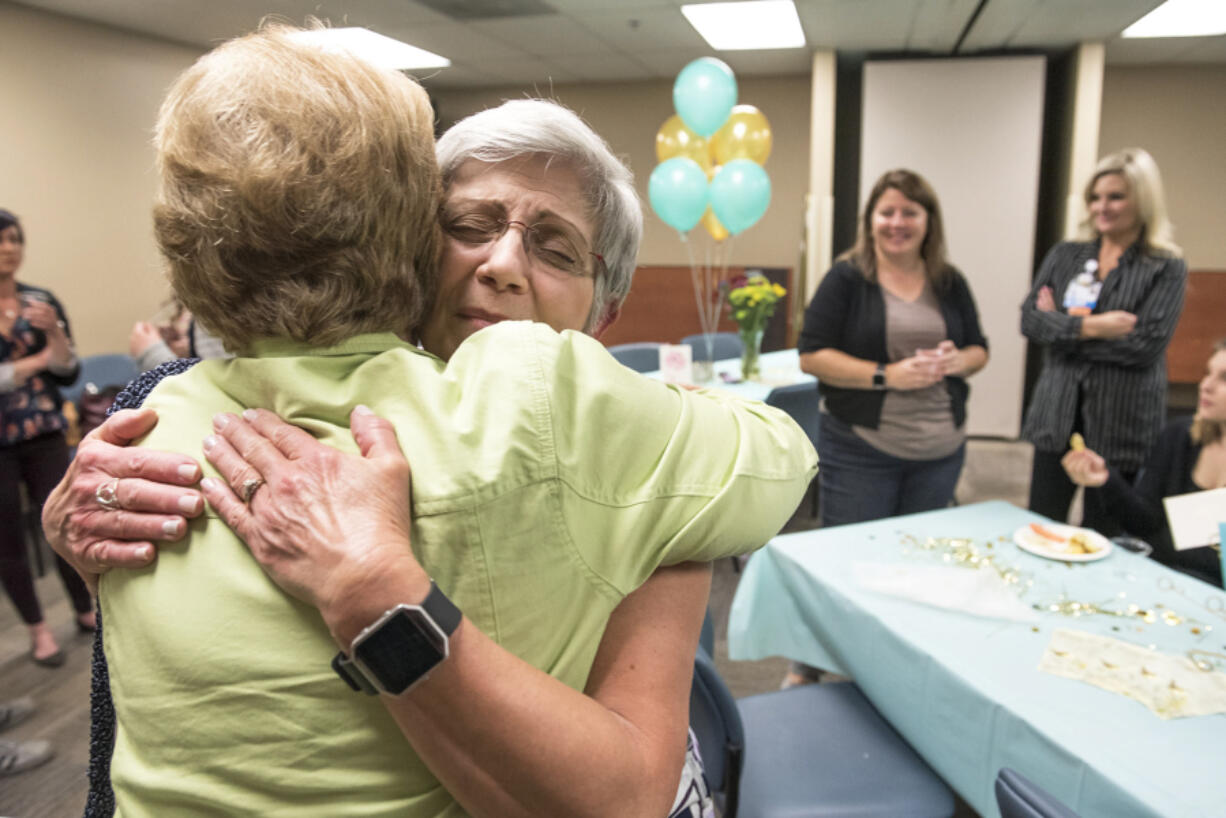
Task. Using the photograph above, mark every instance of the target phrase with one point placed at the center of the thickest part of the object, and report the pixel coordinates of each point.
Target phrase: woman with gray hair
(483, 611)
(1103, 307)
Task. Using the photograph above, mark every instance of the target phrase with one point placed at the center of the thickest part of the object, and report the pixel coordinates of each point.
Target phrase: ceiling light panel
(1182, 18)
(754, 25)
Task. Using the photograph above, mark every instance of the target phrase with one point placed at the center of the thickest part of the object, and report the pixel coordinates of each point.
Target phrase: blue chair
(101, 371)
(1019, 797)
(706, 637)
(724, 345)
(801, 402)
(641, 357)
(814, 751)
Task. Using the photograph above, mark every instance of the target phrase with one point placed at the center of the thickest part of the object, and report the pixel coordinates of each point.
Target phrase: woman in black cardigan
(1190, 456)
(1105, 310)
(891, 335)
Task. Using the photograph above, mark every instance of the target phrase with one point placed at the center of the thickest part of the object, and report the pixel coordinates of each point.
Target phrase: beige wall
(628, 116)
(1178, 114)
(80, 102)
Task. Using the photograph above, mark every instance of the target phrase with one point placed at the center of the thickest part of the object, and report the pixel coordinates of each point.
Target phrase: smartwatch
(401, 647)
(879, 377)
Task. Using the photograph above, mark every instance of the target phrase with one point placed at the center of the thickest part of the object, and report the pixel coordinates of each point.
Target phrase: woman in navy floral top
(36, 358)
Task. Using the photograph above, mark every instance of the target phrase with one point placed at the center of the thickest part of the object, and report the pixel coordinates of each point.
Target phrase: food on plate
(1080, 544)
(1046, 533)
(1077, 443)
(1077, 543)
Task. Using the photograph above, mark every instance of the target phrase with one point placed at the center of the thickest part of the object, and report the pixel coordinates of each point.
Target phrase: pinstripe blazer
(1121, 382)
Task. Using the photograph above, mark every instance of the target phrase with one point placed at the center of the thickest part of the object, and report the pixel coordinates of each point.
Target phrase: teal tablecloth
(965, 691)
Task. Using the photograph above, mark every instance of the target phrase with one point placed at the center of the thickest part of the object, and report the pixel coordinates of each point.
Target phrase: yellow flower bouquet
(752, 300)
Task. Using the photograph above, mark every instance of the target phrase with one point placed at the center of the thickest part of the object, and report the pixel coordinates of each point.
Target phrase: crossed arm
(332, 529)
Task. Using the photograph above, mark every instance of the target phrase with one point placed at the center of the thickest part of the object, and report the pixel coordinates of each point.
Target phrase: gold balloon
(746, 135)
(675, 139)
(717, 230)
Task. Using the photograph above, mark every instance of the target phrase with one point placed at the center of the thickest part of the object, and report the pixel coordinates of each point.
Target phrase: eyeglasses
(552, 248)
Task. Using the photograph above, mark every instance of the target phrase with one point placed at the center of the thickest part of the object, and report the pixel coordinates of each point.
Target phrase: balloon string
(694, 278)
(710, 294)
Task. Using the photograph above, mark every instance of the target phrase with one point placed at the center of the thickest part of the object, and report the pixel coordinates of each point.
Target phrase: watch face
(401, 651)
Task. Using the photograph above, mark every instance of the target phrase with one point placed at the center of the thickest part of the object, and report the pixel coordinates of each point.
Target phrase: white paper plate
(1028, 540)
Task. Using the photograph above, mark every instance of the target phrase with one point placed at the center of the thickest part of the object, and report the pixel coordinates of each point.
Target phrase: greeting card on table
(1194, 518)
(676, 363)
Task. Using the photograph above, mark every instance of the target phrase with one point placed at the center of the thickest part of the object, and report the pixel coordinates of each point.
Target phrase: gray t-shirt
(916, 424)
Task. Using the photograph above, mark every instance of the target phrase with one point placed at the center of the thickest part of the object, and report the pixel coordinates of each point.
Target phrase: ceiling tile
(456, 41)
(855, 25)
(577, 7)
(643, 29)
(764, 63)
(938, 24)
(1050, 23)
(666, 62)
(543, 36)
(603, 66)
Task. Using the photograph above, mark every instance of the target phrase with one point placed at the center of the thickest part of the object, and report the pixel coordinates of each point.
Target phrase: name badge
(1081, 295)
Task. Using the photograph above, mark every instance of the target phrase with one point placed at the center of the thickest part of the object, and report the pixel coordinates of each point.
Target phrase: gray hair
(525, 127)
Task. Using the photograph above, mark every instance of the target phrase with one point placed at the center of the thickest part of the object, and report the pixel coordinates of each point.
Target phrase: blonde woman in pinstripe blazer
(1104, 309)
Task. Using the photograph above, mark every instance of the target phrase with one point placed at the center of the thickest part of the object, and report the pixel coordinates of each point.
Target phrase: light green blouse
(548, 482)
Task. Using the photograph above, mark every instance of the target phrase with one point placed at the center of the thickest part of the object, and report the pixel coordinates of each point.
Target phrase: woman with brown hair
(892, 334)
(36, 358)
(1190, 456)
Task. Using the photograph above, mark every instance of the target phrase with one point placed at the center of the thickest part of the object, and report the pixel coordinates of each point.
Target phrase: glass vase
(751, 351)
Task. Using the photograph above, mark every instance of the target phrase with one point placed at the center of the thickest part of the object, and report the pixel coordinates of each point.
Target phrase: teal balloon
(704, 94)
(740, 193)
(677, 190)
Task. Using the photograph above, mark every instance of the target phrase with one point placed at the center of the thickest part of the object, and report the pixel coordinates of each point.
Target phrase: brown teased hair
(298, 193)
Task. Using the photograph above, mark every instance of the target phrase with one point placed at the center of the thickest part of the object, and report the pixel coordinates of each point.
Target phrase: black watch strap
(442, 610)
(444, 617)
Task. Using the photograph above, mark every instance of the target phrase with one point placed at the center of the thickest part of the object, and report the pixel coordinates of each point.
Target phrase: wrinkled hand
(326, 526)
(916, 372)
(1085, 467)
(152, 488)
(1045, 301)
(142, 336)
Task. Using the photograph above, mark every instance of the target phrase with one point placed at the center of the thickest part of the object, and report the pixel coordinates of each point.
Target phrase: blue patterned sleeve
(100, 803)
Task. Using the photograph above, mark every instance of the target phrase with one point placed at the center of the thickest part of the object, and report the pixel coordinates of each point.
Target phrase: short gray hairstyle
(525, 127)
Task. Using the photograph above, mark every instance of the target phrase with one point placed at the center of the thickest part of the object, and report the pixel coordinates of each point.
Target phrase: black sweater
(1138, 508)
(847, 313)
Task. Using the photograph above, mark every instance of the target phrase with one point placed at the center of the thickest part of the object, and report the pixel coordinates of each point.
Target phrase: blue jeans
(861, 483)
